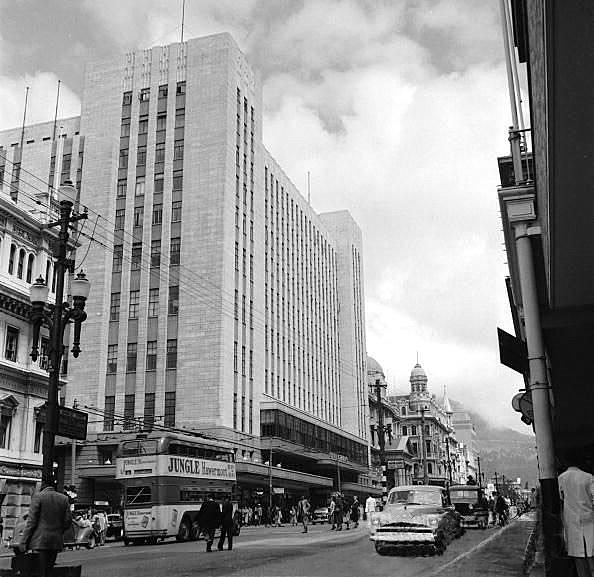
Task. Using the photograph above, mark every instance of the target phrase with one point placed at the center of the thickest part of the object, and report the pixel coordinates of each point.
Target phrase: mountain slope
(505, 451)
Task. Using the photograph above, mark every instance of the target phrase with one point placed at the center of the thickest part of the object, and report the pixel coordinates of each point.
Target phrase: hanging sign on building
(72, 424)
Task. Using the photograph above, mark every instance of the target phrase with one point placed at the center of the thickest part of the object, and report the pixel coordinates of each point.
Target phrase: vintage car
(74, 537)
(417, 517)
(472, 505)
(114, 526)
(320, 515)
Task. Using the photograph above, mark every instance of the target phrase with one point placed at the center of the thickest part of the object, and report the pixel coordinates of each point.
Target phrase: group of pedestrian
(340, 512)
(498, 510)
(97, 521)
(212, 516)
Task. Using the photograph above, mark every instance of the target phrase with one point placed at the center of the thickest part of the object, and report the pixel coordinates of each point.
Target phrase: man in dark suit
(209, 518)
(226, 524)
(49, 517)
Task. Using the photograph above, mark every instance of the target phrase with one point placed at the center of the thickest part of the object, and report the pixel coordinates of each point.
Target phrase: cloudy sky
(397, 108)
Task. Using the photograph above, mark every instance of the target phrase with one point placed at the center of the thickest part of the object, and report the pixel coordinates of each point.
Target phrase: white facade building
(219, 297)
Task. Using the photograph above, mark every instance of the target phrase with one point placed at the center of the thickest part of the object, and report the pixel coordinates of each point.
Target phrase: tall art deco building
(220, 300)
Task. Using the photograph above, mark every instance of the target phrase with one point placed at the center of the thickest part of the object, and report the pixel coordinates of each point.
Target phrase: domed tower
(418, 381)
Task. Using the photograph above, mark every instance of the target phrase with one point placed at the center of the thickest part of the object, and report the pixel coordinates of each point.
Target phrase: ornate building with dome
(419, 440)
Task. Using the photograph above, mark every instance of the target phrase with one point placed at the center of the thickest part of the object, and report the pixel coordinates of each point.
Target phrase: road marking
(470, 551)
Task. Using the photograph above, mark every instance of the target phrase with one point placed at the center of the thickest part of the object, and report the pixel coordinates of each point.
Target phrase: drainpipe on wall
(521, 213)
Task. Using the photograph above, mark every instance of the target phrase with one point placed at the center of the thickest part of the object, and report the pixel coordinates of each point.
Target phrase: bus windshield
(139, 447)
(138, 495)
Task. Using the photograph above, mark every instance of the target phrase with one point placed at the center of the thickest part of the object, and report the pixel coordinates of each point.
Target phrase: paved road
(287, 552)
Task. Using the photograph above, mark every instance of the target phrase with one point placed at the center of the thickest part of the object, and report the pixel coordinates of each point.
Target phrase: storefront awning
(259, 473)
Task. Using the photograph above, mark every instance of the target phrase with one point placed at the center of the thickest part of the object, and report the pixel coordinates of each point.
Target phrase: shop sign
(174, 466)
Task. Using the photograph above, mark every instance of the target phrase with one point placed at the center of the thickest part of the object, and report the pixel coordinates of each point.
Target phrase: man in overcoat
(577, 502)
(49, 517)
(226, 524)
(209, 518)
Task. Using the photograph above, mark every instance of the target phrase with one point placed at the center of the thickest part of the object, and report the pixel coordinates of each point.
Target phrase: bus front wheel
(184, 531)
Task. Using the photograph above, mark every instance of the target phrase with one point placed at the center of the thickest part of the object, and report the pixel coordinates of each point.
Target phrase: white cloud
(398, 110)
(41, 101)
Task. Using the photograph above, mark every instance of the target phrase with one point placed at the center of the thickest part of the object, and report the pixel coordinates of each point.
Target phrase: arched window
(427, 430)
(403, 411)
(30, 264)
(404, 430)
(11, 259)
(413, 430)
(21, 263)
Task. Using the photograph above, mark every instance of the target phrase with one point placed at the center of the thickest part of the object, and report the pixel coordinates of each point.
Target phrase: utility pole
(73, 456)
(449, 461)
(478, 462)
(423, 448)
(61, 314)
(270, 483)
(496, 483)
(380, 436)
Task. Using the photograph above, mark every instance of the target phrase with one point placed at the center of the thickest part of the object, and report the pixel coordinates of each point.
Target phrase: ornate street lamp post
(57, 318)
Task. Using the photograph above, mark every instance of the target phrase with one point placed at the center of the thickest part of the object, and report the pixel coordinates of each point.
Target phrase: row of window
(158, 184)
(243, 414)
(136, 255)
(178, 154)
(11, 349)
(157, 215)
(20, 268)
(6, 418)
(153, 303)
(161, 125)
(150, 358)
(149, 416)
(145, 93)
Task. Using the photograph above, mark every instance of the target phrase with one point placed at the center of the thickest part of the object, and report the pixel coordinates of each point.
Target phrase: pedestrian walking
(355, 511)
(346, 513)
(226, 524)
(338, 513)
(209, 518)
(369, 509)
(576, 491)
(303, 509)
(278, 516)
(293, 516)
(331, 511)
(49, 516)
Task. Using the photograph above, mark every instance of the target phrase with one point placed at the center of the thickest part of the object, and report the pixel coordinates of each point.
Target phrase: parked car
(320, 515)
(416, 517)
(114, 526)
(470, 502)
(74, 537)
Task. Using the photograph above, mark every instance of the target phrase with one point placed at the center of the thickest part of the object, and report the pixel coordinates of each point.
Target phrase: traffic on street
(284, 551)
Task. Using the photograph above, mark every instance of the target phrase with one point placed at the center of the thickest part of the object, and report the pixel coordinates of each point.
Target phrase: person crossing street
(303, 509)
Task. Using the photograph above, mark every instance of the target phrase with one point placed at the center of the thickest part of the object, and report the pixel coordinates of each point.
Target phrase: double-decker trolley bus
(165, 479)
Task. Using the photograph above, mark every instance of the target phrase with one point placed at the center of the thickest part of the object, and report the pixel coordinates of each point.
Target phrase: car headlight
(433, 522)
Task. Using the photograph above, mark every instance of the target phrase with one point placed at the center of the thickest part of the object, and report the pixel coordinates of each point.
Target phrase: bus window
(138, 495)
(139, 447)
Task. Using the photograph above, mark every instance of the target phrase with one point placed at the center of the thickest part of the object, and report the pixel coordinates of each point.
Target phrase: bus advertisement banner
(174, 466)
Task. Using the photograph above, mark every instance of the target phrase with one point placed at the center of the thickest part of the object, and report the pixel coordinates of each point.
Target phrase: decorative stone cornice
(15, 307)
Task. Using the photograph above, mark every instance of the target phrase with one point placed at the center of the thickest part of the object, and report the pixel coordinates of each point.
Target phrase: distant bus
(165, 479)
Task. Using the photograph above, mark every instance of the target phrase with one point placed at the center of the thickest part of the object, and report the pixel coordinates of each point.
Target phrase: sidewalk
(501, 555)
